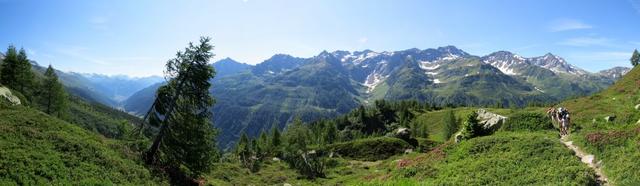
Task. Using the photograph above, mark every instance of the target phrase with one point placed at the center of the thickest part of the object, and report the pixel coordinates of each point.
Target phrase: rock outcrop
(6, 94)
(490, 121)
(402, 133)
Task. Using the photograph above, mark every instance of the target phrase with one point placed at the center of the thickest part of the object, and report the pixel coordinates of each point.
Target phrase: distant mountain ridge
(119, 87)
(254, 98)
(228, 66)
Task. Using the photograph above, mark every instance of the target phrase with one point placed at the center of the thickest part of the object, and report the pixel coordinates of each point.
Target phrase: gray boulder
(6, 94)
(402, 133)
(490, 121)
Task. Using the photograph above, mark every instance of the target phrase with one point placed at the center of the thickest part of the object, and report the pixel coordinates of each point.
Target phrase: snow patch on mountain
(505, 68)
(425, 65)
(362, 57)
(450, 57)
(373, 80)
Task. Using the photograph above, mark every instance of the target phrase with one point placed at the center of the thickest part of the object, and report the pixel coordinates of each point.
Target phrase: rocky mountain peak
(452, 50)
(556, 64)
(615, 72)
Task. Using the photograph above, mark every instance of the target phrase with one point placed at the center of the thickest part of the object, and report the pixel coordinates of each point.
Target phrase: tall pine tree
(186, 137)
(16, 72)
(331, 133)
(471, 127)
(52, 97)
(275, 142)
(450, 125)
(245, 151)
(635, 58)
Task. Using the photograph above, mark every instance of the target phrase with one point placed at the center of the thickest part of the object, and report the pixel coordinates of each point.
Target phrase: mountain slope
(320, 89)
(90, 109)
(80, 86)
(39, 149)
(549, 74)
(614, 142)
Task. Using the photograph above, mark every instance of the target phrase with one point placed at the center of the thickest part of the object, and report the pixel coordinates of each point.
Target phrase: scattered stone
(637, 107)
(408, 151)
(588, 159)
(458, 137)
(275, 159)
(610, 118)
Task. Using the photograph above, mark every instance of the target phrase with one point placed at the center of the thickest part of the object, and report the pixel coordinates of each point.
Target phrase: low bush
(425, 145)
(527, 122)
(511, 158)
(619, 151)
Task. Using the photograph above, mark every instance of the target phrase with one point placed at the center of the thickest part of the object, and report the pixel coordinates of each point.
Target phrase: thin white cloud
(363, 40)
(587, 42)
(560, 25)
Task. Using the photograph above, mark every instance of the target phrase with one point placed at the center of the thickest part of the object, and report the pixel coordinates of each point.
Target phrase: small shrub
(425, 145)
(527, 122)
(471, 127)
(311, 164)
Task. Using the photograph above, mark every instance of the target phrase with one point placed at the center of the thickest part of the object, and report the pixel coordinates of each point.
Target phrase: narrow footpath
(588, 159)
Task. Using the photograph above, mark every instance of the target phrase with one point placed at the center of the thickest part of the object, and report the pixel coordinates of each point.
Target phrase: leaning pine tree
(186, 137)
(52, 97)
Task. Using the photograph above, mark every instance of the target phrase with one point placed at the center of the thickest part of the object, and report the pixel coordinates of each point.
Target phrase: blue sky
(137, 37)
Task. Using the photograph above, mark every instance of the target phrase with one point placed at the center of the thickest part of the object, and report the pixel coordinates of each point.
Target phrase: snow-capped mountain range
(332, 83)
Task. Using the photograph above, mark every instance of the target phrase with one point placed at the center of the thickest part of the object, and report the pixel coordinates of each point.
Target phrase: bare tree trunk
(150, 155)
